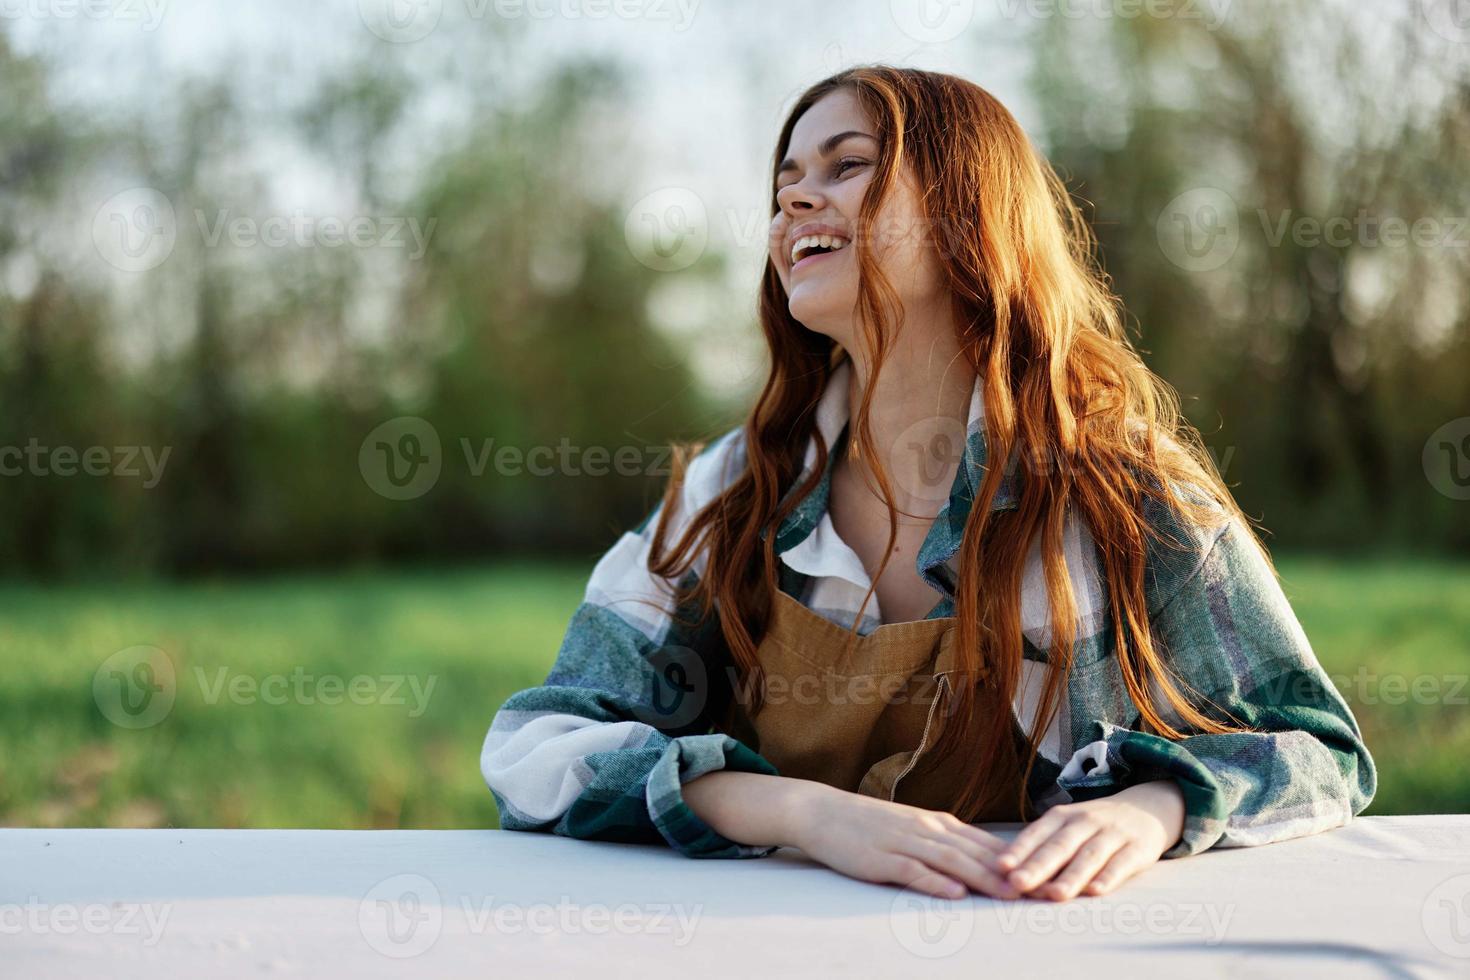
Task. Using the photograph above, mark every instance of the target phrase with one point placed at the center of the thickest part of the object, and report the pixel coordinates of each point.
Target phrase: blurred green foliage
(525, 323)
(1391, 636)
(1316, 367)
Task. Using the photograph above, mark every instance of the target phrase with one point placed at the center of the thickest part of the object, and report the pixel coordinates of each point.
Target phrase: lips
(810, 241)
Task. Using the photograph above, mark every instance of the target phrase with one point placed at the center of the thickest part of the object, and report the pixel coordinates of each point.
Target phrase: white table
(1383, 897)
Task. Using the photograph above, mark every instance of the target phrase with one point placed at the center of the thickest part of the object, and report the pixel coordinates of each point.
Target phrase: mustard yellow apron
(863, 720)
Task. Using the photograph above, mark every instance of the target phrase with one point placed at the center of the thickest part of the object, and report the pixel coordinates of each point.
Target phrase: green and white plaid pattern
(602, 749)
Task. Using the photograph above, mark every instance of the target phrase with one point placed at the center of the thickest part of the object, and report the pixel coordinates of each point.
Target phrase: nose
(800, 197)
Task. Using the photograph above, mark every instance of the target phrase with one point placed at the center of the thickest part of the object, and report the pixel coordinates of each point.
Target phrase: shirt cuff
(684, 759)
(1120, 757)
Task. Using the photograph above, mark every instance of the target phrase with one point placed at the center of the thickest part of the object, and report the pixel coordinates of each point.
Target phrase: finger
(1030, 837)
(1084, 866)
(983, 846)
(913, 873)
(952, 858)
(993, 843)
(1120, 867)
(1056, 851)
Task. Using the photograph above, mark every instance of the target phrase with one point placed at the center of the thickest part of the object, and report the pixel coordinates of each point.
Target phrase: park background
(243, 247)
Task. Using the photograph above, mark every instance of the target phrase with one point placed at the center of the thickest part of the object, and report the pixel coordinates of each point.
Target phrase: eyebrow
(828, 145)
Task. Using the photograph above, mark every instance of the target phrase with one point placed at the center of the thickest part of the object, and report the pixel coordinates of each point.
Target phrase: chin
(823, 314)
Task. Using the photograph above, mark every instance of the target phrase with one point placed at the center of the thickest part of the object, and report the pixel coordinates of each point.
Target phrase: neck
(921, 404)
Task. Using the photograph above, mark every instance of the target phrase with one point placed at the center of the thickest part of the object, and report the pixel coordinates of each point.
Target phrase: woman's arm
(601, 750)
(860, 836)
(754, 809)
(1230, 633)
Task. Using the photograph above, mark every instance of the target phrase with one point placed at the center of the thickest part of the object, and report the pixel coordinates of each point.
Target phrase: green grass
(480, 635)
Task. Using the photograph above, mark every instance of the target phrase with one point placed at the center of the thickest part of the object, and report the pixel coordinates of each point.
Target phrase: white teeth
(812, 241)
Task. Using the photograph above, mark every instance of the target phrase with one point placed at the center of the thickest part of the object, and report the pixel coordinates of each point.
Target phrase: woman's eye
(839, 169)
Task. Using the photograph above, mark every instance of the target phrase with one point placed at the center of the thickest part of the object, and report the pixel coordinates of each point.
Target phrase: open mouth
(810, 246)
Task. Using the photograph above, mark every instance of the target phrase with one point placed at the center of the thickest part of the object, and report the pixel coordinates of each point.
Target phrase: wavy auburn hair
(1093, 429)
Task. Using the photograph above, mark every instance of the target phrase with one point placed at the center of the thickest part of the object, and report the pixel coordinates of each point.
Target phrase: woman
(849, 629)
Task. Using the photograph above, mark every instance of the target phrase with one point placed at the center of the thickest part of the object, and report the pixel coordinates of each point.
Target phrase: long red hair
(1094, 428)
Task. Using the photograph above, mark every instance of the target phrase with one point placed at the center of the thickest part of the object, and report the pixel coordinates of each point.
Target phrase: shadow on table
(1395, 965)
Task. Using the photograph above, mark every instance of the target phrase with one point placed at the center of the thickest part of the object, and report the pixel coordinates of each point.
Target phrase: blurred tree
(1247, 188)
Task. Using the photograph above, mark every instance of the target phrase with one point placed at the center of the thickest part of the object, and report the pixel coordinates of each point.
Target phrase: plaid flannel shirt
(602, 749)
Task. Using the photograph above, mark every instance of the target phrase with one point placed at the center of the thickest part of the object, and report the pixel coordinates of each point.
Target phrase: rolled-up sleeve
(1230, 634)
(602, 749)
(593, 753)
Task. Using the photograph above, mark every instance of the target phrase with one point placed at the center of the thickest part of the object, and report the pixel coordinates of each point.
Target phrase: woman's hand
(1094, 847)
(876, 840)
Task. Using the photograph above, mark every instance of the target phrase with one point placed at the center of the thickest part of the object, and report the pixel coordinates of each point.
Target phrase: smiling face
(820, 184)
